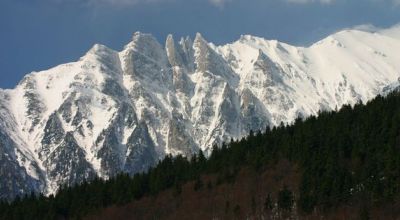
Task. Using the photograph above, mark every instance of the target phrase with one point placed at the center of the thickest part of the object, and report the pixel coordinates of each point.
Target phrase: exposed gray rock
(15, 181)
(113, 112)
(141, 153)
(66, 164)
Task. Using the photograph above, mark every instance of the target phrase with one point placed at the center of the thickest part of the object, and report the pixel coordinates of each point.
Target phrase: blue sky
(39, 34)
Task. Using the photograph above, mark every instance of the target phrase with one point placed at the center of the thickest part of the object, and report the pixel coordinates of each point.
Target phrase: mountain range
(122, 111)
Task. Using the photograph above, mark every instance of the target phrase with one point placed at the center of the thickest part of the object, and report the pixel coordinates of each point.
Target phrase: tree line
(350, 156)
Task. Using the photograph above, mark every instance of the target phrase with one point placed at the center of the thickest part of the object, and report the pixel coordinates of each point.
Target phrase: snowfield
(113, 111)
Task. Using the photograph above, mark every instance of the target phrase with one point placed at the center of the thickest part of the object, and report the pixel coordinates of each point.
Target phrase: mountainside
(338, 165)
(114, 112)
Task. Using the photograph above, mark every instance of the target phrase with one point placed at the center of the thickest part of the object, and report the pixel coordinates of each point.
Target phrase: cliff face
(112, 112)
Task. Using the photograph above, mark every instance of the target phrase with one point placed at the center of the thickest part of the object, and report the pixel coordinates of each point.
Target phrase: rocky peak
(174, 53)
(148, 46)
(121, 112)
(187, 52)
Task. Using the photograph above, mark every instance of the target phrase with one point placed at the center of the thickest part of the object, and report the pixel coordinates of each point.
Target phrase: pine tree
(285, 199)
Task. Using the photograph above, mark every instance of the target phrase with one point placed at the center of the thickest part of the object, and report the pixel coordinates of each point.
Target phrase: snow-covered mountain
(113, 111)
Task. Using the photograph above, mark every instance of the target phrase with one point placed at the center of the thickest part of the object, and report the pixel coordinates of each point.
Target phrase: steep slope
(337, 165)
(112, 112)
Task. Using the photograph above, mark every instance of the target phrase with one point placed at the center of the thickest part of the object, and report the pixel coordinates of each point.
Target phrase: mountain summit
(114, 112)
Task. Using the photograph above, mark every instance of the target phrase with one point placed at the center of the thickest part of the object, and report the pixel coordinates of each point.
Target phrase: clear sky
(39, 34)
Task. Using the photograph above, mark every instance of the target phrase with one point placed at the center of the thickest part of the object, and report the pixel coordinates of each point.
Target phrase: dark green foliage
(253, 205)
(364, 213)
(269, 203)
(177, 189)
(236, 210)
(209, 185)
(227, 206)
(285, 199)
(344, 157)
(198, 184)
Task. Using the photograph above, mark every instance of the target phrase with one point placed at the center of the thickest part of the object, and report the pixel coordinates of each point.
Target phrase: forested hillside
(114, 112)
(348, 158)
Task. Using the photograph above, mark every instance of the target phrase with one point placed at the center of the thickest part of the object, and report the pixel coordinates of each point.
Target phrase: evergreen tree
(285, 199)
(343, 157)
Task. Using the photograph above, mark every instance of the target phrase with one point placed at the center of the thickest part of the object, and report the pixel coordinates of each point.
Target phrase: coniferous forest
(344, 158)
